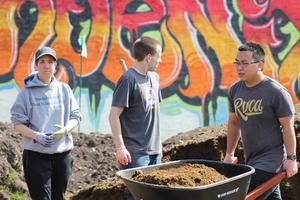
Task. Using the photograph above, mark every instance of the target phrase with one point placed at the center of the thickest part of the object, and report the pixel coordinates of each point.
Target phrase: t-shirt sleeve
(159, 90)
(230, 99)
(283, 104)
(122, 93)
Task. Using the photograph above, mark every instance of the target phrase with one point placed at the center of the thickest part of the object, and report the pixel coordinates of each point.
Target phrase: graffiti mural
(199, 39)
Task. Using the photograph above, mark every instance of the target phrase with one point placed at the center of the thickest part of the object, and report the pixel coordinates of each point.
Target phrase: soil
(184, 175)
(93, 156)
(94, 160)
(94, 166)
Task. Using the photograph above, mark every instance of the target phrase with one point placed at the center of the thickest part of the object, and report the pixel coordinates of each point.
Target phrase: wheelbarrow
(233, 188)
(257, 192)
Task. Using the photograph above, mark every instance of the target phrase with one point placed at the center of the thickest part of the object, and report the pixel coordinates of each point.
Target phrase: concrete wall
(199, 41)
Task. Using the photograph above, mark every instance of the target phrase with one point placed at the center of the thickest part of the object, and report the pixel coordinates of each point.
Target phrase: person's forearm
(288, 133)
(116, 132)
(233, 136)
(71, 124)
(25, 131)
(289, 139)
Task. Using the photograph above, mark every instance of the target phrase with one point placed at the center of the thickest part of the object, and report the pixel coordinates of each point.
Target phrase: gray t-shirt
(139, 95)
(258, 109)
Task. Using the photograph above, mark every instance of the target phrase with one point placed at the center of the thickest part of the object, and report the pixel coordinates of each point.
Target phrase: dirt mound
(11, 174)
(94, 162)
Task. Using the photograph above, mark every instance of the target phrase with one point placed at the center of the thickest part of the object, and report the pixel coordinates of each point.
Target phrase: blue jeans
(141, 160)
(258, 178)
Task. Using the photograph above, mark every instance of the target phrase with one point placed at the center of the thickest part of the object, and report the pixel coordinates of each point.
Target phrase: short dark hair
(144, 46)
(258, 52)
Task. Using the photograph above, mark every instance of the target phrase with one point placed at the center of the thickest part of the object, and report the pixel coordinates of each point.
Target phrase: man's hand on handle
(291, 167)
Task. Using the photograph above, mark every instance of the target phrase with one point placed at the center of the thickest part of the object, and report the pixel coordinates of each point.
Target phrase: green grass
(19, 196)
(9, 188)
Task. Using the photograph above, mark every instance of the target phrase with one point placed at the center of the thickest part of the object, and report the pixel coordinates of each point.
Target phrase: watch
(291, 157)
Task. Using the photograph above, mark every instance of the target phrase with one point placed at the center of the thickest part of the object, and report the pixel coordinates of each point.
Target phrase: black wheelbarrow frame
(233, 188)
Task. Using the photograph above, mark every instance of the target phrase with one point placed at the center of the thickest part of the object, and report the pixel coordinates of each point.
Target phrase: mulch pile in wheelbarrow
(184, 175)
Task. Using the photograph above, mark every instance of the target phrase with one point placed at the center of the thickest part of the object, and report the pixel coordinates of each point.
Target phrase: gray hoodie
(40, 106)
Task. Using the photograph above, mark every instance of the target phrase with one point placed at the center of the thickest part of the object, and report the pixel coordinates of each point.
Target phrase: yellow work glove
(61, 132)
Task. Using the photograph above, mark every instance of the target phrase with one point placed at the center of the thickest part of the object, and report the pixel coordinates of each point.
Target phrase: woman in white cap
(44, 113)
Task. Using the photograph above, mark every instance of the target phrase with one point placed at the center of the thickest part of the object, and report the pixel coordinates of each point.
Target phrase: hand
(123, 157)
(230, 158)
(61, 132)
(43, 139)
(291, 167)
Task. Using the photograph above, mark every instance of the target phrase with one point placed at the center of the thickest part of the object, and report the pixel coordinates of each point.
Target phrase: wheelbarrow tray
(233, 188)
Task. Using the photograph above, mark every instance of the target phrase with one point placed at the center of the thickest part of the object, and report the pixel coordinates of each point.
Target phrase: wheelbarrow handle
(267, 185)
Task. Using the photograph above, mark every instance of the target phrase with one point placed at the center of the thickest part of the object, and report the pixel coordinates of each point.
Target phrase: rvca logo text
(248, 108)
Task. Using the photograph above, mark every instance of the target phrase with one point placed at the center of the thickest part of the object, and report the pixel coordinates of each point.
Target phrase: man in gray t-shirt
(262, 113)
(134, 115)
(139, 95)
